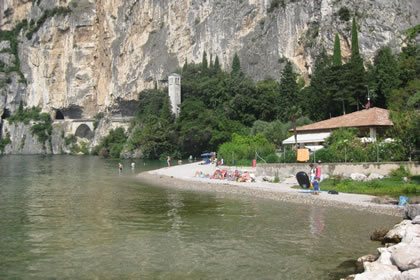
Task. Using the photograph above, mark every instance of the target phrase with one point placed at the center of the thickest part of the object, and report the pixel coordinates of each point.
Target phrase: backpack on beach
(332, 192)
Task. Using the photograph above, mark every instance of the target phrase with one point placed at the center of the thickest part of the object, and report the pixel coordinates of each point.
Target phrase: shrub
(113, 144)
(272, 158)
(324, 155)
(4, 142)
(43, 129)
(71, 139)
(344, 14)
(400, 172)
(98, 118)
(275, 4)
(244, 148)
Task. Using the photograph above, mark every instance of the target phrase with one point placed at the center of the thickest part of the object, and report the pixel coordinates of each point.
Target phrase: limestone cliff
(102, 53)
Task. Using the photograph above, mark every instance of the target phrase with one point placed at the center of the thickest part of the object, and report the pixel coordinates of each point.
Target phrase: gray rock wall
(107, 50)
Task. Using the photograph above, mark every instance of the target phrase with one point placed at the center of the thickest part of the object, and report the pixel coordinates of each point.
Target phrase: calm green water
(66, 217)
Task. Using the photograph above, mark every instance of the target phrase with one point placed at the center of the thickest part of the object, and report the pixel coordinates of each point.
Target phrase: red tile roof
(372, 117)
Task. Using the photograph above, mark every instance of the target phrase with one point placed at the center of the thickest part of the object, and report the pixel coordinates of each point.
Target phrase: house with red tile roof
(369, 122)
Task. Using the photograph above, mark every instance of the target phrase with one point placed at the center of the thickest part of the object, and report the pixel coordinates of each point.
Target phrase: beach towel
(302, 155)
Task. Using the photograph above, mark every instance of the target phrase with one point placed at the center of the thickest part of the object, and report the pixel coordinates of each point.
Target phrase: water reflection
(74, 217)
(317, 220)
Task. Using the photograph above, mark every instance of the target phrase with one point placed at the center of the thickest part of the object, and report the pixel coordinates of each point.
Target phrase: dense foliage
(243, 148)
(112, 145)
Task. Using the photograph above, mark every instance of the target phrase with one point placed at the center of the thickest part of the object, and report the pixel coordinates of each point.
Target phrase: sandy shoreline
(182, 177)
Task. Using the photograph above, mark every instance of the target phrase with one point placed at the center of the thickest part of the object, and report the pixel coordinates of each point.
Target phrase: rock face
(400, 261)
(101, 54)
(106, 51)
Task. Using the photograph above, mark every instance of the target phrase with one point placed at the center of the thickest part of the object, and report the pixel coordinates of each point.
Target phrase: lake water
(69, 217)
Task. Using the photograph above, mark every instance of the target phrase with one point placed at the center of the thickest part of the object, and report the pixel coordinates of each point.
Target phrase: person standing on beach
(120, 167)
(312, 174)
(169, 161)
(316, 185)
(318, 170)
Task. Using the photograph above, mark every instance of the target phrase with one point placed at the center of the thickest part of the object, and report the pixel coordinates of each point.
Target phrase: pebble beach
(182, 176)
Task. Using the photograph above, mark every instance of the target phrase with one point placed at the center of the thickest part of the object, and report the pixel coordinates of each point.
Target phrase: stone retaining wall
(343, 169)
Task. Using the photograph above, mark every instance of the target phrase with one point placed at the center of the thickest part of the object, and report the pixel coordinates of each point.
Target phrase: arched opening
(83, 131)
(6, 114)
(59, 115)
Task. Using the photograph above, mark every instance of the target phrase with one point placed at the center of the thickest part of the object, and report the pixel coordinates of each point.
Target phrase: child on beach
(316, 185)
(312, 174)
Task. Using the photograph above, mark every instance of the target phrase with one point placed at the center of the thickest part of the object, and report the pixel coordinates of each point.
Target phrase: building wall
(344, 169)
(174, 89)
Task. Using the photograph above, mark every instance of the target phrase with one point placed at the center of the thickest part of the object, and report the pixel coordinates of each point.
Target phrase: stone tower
(174, 91)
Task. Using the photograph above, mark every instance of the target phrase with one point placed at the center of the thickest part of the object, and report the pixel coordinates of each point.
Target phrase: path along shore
(182, 177)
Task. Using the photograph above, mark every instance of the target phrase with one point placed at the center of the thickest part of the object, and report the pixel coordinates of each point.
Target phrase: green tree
(405, 115)
(316, 100)
(153, 138)
(354, 40)
(337, 52)
(113, 144)
(289, 96)
(185, 67)
(385, 76)
(355, 77)
(236, 65)
(204, 63)
(217, 67)
(267, 100)
(408, 63)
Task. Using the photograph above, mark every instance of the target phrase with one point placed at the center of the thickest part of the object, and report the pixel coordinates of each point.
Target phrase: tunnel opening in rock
(73, 112)
(59, 115)
(83, 131)
(6, 114)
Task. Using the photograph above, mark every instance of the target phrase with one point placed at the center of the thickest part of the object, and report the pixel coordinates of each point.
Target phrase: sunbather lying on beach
(234, 176)
(201, 174)
(245, 177)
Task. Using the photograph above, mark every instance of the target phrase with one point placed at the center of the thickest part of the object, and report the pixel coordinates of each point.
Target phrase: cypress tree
(236, 65)
(204, 63)
(354, 40)
(185, 67)
(337, 52)
(211, 61)
(217, 64)
(355, 77)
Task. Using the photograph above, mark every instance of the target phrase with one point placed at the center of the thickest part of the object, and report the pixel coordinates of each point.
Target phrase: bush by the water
(112, 145)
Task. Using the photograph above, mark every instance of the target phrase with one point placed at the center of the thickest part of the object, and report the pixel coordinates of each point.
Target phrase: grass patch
(394, 186)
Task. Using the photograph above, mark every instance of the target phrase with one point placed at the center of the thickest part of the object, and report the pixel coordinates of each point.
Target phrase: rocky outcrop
(400, 261)
(23, 141)
(412, 211)
(107, 50)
